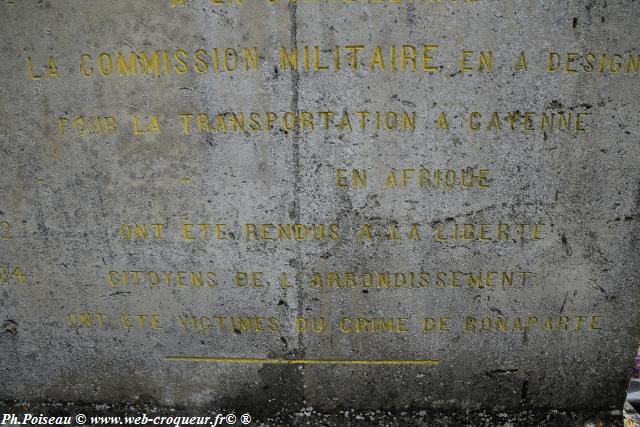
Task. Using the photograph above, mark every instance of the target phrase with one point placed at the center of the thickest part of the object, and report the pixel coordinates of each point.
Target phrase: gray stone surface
(66, 195)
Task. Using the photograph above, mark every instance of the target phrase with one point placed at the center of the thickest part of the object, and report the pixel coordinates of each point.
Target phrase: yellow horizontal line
(282, 361)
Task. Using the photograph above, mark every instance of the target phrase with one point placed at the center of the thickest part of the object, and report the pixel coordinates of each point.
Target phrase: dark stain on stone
(555, 104)
(564, 302)
(565, 244)
(496, 310)
(524, 391)
(11, 327)
(280, 390)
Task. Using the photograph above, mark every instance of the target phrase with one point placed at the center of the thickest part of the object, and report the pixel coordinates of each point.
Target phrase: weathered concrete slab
(427, 205)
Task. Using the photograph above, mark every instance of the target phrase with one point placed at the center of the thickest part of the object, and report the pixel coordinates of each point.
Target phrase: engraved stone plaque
(275, 205)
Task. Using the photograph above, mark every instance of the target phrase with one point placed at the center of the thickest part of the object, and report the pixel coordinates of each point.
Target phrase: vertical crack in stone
(295, 108)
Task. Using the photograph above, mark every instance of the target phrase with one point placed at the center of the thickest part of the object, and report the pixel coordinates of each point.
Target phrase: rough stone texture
(350, 418)
(66, 196)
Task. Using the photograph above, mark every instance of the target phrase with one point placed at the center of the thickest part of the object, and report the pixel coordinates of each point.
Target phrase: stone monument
(369, 205)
